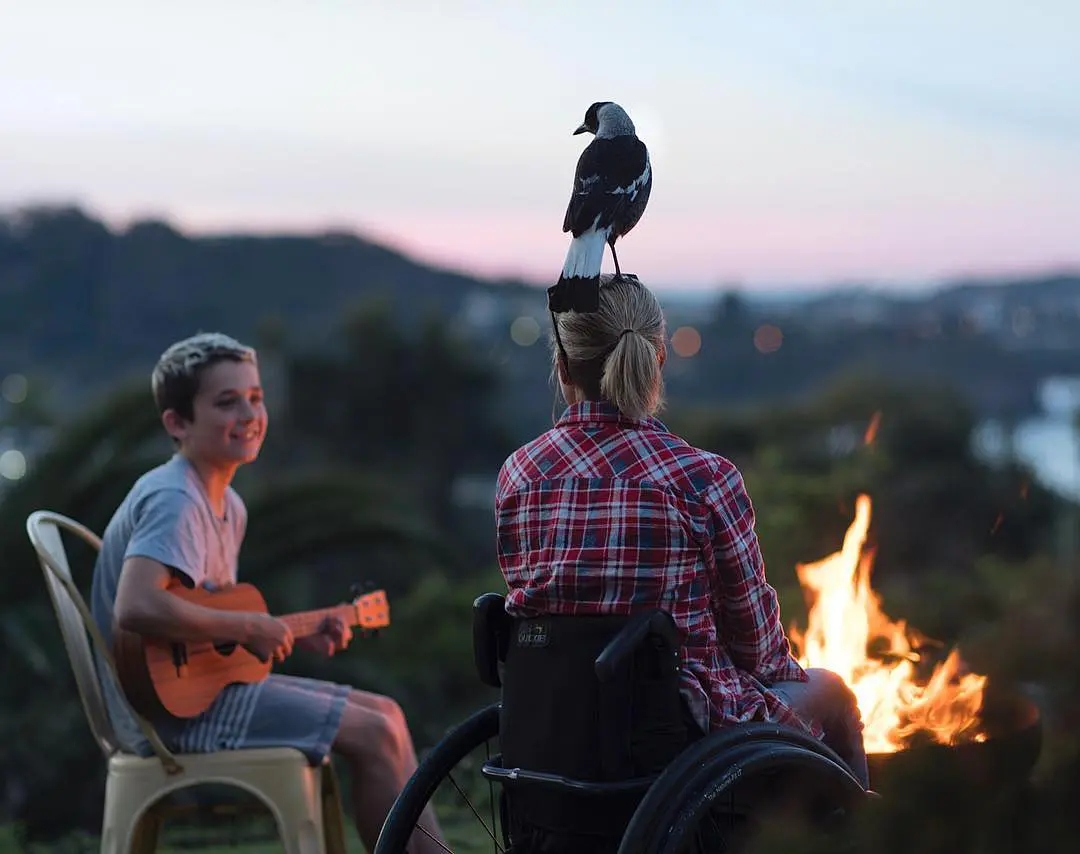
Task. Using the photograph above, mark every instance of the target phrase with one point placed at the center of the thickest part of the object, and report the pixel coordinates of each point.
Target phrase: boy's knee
(390, 708)
(372, 733)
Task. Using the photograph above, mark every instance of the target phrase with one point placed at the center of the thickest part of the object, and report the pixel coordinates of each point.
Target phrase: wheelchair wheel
(448, 778)
(719, 792)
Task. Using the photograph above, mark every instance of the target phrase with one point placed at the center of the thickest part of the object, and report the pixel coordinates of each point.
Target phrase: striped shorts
(280, 711)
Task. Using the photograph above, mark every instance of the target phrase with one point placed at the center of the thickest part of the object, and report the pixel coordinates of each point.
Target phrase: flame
(845, 619)
(872, 429)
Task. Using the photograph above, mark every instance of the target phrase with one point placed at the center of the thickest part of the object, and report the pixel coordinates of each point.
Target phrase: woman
(609, 512)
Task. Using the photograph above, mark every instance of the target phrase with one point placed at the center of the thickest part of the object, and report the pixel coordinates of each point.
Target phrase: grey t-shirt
(166, 517)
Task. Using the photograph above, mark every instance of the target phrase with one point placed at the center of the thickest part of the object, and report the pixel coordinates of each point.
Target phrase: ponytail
(613, 353)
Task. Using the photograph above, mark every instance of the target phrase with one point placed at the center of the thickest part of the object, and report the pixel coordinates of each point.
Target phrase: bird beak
(581, 129)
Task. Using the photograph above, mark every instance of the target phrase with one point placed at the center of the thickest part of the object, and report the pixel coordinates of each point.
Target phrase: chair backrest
(44, 527)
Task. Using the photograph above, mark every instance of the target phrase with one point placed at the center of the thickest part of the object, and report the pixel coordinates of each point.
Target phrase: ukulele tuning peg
(358, 589)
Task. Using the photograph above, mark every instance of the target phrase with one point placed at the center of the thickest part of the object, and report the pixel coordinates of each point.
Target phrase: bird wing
(610, 174)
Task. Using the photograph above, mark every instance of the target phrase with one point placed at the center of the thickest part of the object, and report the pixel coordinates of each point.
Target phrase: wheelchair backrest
(588, 697)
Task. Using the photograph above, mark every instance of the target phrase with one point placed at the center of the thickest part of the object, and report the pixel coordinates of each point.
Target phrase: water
(1049, 443)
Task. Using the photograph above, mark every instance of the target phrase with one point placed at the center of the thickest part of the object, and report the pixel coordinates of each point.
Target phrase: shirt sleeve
(746, 606)
(169, 528)
(504, 481)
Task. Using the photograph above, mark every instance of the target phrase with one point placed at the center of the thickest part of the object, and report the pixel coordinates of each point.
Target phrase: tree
(419, 408)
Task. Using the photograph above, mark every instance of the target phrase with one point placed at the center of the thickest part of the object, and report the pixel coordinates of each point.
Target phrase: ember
(845, 621)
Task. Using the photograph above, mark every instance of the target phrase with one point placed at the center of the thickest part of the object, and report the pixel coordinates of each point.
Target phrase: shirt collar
(597, 412)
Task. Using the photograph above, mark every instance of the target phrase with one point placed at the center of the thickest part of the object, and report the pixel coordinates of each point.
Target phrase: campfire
(848, 633)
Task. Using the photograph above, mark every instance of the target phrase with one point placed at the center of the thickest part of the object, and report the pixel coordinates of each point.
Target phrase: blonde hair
(612, 353)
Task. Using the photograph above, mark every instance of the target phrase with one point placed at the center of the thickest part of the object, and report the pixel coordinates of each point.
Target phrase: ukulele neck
(306, 623)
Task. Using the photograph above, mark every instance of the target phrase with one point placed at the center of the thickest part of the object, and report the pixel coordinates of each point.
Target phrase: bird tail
(585, 257)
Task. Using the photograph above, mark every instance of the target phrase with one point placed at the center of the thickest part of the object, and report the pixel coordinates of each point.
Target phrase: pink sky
(698, 251)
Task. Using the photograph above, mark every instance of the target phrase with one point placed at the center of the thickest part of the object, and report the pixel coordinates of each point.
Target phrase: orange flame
(872, 429)
(845, 617)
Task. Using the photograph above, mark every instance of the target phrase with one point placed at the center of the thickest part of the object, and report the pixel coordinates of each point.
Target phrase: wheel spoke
(476, 812)
(431, 836)
(455, 753)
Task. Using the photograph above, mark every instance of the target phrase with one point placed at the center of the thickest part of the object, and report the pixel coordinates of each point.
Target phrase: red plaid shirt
(605, 515)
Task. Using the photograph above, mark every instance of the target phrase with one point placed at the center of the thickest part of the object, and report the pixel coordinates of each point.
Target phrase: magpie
(611, 189)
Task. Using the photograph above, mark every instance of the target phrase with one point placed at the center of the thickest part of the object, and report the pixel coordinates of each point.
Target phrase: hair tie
(625, 332)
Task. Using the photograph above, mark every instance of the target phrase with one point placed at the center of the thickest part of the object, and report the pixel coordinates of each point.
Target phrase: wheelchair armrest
(627, 641)
(491, 635)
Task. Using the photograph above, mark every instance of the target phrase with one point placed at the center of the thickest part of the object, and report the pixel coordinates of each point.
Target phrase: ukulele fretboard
(367, 612)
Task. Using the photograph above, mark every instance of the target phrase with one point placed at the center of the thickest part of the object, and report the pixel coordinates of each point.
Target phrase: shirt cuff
(786, 670)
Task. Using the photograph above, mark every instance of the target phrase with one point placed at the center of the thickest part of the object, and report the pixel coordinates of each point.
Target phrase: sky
(794, 144)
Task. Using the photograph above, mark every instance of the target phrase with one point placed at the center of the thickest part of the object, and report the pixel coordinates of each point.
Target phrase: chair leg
(147, 831)
(133, 816)
(123, 829)
(296, 804)
(332, 813)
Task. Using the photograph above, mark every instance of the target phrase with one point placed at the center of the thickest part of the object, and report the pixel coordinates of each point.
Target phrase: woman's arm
(746, 605)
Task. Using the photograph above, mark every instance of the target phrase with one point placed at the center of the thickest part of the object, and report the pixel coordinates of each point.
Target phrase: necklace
(215, 522)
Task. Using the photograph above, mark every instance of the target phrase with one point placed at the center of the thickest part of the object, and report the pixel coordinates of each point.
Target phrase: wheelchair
(597, 753)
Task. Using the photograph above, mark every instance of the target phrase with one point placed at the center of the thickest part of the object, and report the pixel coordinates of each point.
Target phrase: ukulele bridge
(180, 659)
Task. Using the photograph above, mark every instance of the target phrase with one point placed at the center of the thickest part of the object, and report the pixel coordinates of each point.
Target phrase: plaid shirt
(605, 515)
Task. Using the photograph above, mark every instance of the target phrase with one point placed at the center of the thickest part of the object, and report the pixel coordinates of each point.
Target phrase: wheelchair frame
(700, 777)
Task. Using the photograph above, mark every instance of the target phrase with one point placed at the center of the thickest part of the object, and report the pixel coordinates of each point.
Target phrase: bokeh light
(525, 331)
(686, 341)
(14, 388)
(12, 464)
(768, 338)
(1023, 321)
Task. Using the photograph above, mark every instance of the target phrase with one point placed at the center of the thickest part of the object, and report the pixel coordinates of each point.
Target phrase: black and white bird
(611, 189)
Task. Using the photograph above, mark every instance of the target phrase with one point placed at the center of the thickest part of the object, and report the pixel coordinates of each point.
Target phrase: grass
(247, 835)
(249, 830)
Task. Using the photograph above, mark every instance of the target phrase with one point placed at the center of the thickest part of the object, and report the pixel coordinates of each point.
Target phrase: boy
(183, 520)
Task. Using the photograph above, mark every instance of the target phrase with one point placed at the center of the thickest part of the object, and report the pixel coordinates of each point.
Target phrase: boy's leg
(374, 740)
(827, 700)
(367, 730)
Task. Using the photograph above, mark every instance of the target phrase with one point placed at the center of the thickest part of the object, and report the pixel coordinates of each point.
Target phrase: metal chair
(303, 800)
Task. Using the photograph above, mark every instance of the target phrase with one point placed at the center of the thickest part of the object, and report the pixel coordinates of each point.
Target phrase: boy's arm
(169, 540)
(145, 607)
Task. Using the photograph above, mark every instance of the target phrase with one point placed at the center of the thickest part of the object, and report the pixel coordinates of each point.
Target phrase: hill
(86, 305)
(88, 302)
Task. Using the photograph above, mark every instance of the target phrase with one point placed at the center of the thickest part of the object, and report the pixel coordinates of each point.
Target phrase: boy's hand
(268, 638)
(333, 636)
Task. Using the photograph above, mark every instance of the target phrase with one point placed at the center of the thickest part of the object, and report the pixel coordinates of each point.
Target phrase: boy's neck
(215, 479)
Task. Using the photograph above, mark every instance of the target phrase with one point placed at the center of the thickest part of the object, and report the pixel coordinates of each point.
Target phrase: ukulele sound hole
(225, 648)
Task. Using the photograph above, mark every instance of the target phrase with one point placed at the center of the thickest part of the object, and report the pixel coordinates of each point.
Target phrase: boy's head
(208, 392)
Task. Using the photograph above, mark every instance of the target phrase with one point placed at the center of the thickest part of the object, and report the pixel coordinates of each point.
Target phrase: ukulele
(163, 678)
